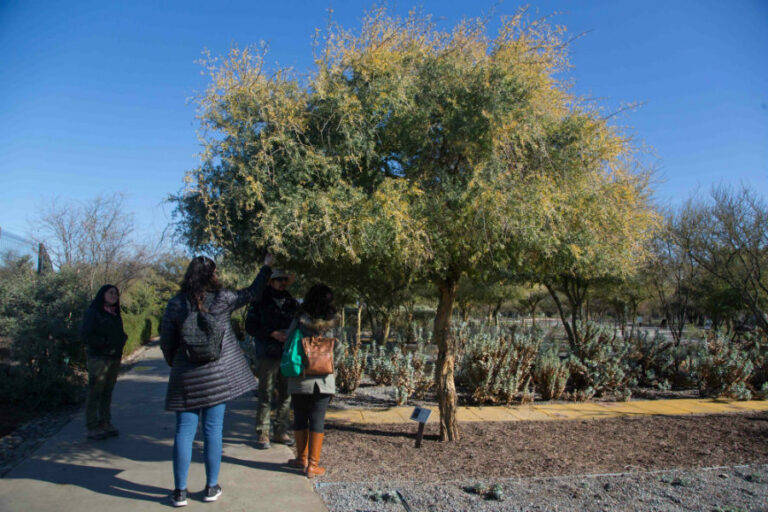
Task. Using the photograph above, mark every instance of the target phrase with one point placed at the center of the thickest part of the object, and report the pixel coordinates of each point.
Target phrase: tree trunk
(621, 318)
(359, 322)
(343, 318)
(568, 331)
(496, 311)
(633, 322)
(385, 328)
(575, 291)
(446, 358)
(371, 322)
(575, 323)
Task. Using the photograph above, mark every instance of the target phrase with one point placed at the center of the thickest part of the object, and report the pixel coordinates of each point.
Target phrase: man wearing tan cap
(267, 321)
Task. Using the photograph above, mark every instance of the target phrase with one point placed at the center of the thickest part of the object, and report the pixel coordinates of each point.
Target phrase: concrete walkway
(561, 411)
(134, 471)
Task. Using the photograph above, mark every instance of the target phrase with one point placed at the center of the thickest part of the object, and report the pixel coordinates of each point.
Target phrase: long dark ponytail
(199, 279)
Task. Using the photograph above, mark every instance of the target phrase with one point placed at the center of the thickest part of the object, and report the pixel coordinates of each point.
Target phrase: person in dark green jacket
(102, 331)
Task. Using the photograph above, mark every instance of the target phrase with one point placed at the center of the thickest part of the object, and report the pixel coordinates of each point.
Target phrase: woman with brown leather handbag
(311, 391)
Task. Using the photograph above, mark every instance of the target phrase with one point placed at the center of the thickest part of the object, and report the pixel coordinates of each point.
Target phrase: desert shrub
(46, 344)
(550, 374)
(411, 373)
(688, 357)
(652, 360)
(424, 368)
(498, 368)
(404, 379)
(733, 368)
(349, 363)
(758, 380)
(600, 364)
(415, 376)
(380, 366)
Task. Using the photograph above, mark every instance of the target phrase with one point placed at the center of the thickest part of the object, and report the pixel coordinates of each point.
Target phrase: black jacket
(103, 333)
(274, 312)
(192, 386)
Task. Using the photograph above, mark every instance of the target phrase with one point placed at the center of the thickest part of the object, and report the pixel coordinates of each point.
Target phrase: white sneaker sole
(209, 499)
(179, 503)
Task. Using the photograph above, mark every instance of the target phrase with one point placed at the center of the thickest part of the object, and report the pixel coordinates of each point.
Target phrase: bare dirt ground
(549, 448)
(712, 462)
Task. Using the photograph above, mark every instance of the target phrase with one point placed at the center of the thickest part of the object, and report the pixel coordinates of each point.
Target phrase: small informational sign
(421, 415)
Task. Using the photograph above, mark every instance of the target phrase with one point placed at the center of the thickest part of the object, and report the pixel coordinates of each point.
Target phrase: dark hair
(98, 301)
(199, 279)
(318, 302)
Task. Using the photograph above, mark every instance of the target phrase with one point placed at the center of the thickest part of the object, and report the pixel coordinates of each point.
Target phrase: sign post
(421, 415)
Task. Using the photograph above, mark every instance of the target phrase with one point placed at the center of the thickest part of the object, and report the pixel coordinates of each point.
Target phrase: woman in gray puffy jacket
(202, 389)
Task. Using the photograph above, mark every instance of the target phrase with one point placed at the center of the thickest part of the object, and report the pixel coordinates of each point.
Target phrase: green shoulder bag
(292, 362)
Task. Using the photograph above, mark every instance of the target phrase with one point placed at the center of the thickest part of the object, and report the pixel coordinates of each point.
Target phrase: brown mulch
(354, 452)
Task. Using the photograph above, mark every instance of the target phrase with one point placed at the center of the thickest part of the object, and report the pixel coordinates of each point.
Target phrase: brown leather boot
(315, 448)
(302, 442)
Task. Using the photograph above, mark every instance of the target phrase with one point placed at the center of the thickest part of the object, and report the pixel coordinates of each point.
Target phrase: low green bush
(142, 308)
(733, 368)
(17, 285)
(498, 368)
(411, 373)
(349, 363)
(550, 374)
(140, 329)
(600, 364)
(758, 381)
(380, 365)
(652, 360)
(46, 344)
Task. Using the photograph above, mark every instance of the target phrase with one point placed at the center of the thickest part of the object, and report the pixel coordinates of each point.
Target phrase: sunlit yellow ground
(553, 412)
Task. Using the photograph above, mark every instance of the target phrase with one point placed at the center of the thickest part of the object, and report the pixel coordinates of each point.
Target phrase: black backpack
(201, 336)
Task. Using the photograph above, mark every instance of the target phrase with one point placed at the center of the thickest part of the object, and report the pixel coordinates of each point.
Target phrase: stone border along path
(558, 411)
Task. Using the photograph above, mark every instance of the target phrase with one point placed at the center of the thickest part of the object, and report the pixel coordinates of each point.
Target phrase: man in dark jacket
(268, 321)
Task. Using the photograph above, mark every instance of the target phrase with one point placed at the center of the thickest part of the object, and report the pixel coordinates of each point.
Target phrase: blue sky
(94, 95)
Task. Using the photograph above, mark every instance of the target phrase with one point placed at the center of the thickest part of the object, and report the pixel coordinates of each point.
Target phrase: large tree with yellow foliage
(409, 152)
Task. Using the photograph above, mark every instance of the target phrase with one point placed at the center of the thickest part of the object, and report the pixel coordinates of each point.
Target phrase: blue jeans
(186, 428)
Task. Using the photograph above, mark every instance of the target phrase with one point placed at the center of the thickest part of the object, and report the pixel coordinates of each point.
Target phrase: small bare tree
(94, 236)
(672, 272)
(529, 302)
(728, 237)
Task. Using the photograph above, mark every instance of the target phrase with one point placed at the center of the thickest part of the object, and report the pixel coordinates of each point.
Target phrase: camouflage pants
(102, 375)
(271, 382)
